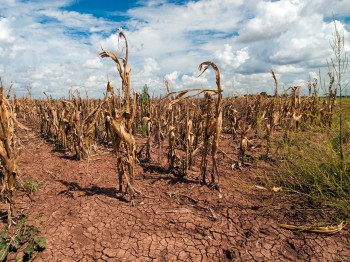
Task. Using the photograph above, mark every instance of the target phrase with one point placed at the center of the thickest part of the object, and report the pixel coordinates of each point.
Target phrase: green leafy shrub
(22, 237)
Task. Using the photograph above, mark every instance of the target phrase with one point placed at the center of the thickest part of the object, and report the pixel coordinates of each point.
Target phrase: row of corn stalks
(184, 123)
(9, 151)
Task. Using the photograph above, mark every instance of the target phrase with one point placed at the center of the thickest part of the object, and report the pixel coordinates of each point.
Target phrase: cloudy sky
(53, 46)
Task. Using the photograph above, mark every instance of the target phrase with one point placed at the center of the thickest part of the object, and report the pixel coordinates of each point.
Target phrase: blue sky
(114, 10)
(53, 46)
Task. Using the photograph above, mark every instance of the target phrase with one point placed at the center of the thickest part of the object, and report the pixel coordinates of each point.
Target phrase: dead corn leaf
(260, 187)
(211, 92)
(182, 93)
(276, 189)
(323, 230)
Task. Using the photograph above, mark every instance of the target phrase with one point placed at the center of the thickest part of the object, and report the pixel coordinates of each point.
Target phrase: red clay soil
(84, 219)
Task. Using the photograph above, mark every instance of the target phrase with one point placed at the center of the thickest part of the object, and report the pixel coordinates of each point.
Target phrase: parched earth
(83, 218)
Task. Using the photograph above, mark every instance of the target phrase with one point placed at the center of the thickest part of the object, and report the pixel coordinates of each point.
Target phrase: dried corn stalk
(121, 122)
(188, 141)
(213, 125)
(147, 122)
(9, 153)
(273, 115)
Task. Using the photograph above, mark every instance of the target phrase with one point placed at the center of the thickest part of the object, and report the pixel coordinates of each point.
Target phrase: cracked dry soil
(83, 219)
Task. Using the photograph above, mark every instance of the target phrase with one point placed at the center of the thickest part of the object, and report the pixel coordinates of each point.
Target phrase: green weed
(311, 166)
(22, 237)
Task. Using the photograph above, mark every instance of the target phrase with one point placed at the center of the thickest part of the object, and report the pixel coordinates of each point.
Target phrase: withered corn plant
(147, 123)
(243, 145)
(213, 125)
(189, 138)
(9, 153)
(146, 118)
(171, 128)
(273, 115)
(328, 105)
(121, 122)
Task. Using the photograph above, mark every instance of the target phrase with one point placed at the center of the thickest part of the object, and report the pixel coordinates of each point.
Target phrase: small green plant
(21, 237)
(30, 185)
(27, 184)
(247, 158)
